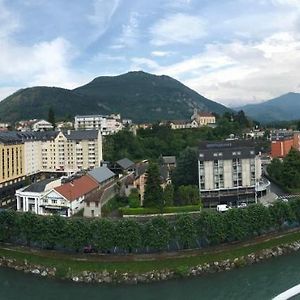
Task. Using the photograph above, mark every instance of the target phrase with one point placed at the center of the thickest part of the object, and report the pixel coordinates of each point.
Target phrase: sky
(231, 51)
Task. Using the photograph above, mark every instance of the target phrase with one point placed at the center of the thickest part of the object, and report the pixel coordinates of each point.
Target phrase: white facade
(30, 200)
(42, 125)
(33, 156)
(54, 202)
(65, 153)
(106, 124)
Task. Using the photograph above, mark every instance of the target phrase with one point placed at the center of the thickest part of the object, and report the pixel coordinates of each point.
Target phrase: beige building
(203, 118)
(229, 172)
(12, 168)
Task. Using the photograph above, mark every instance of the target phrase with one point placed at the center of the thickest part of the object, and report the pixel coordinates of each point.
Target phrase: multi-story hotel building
(12, 162)
(106, 124)
(229, 172)
(28, 153)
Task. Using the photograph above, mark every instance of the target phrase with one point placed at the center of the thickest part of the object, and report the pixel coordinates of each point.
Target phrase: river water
(260, 281)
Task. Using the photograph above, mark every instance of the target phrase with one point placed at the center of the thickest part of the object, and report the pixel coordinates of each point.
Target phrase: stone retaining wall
(154, 276)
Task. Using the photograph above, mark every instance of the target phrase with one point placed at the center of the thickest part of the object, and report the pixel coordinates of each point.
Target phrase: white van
(223, 207)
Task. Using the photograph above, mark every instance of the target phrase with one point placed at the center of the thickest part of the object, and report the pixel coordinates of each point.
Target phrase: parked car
(89, 249)
(285, 200)
(223, 207)
(242, 205)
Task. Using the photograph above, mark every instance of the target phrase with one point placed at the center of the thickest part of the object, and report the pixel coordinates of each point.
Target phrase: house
(68, 199)
(169, 161)
(180, 124)
(41, 125)
(102, 175)
(123, 165)
(137, 180)
(29, 197)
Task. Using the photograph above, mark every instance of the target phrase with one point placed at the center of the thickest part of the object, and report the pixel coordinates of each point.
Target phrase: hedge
(185, 231)
(148, 211)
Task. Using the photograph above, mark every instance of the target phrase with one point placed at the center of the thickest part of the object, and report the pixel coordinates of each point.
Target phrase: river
(260, 281)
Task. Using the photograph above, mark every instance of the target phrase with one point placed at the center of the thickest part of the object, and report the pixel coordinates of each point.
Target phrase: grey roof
(8, 137)
(125, 163)
(38, 187)
(101, 174)
(169, 159)
(81, 134)
(164, 173)
(224, 150)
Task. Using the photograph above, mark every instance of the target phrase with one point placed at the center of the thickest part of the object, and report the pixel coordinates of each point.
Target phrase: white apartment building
(72, 151)
(42, 125)
(229, 172)
(106, 124)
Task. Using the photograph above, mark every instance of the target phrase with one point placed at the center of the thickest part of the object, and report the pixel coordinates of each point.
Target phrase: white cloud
(130, 33)
(102, 15)
(177, 28)
(162, 53)
(138, 63)
(9, 22)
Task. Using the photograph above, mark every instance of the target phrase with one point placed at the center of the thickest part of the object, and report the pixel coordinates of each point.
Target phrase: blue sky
(231, 51)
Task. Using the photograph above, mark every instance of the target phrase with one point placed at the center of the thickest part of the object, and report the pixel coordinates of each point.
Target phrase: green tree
(186, 172)
(156, 234)
(128, 235)
(8, 225)
(134, 199)
(53, 230)
(153, 196)
(188, 195)
(186, 231)
(168, 195)
(77, 234)
(51, 117)
(103, 234)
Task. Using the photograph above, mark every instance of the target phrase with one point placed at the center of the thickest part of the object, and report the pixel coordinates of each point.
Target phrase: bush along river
(258, 281)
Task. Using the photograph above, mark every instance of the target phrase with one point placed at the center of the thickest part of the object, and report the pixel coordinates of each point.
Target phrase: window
(54, 201)
(97, 204)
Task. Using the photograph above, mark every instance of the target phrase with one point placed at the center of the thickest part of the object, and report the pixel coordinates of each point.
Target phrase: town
(59, 168)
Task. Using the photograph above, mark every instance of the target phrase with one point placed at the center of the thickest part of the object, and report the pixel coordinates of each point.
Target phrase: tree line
(156, 234)
(287, 171)
(151, 143)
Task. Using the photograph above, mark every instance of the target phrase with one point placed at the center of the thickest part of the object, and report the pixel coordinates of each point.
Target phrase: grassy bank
(179, 262)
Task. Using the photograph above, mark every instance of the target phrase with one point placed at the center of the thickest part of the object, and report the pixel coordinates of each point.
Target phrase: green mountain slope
(283, 108)
(140, 96)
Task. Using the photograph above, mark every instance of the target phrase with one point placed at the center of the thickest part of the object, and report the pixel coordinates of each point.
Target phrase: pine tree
(51, 117)
(153, 196)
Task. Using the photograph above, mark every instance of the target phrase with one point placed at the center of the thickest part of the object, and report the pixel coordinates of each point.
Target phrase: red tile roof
(205, 114)
(77, 188)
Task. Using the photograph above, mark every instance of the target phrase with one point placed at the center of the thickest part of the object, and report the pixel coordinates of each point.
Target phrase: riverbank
(147, 268)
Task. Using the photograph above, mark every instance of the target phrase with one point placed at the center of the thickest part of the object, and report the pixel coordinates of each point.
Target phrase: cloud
(177, 28)
(9, 22)
(162, 53)
(138, 63)
(130, 33)
(102, 15)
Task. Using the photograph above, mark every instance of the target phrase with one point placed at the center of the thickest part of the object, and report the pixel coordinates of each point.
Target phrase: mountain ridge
(282, 108)
(137, 95)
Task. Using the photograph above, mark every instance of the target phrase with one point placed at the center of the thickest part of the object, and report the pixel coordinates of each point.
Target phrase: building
(281, 143)
(106, 124)
(49, 196)
(203, 118)
(179, 124)
(12, 159)
(41, 125)
(169, 161)
(102, 175)
(229, 172)
(29, 197)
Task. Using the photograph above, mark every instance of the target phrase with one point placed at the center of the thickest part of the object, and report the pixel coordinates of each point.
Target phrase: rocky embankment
(155, 275)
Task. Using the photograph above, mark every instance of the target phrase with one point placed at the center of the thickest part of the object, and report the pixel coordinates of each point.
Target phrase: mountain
(283, 108)
(140, 96)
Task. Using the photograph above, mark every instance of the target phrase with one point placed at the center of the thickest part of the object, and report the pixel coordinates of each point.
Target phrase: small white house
(42, 125)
